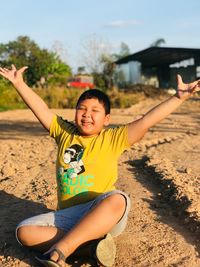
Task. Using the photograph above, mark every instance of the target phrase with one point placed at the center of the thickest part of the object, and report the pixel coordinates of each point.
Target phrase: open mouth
(86, 123)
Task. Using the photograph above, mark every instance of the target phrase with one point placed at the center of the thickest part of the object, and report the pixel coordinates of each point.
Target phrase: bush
(9, 98)
(62, 97)
(59, 97)
(147, 90)
(124, 100)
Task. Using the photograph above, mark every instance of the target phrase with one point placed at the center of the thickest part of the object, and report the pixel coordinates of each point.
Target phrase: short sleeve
(59, 127)
(119, 139)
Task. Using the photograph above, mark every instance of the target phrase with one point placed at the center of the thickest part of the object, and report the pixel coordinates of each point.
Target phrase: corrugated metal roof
(157, 56)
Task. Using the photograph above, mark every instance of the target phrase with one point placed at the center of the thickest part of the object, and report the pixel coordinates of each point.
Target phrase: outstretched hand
(13, 75)
(185, 90)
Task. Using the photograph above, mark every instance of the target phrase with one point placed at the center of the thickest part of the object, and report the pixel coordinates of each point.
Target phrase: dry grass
(61, 97)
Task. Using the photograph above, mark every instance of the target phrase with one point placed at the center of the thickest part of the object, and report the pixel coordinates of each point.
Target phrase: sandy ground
(161, 174)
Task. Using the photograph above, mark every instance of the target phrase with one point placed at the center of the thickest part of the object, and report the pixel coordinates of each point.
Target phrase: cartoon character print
(72, 157)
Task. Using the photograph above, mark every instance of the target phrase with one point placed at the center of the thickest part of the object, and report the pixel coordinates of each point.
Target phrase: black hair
(96, 94)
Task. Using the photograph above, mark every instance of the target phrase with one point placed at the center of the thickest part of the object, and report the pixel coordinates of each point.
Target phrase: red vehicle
(81, 81)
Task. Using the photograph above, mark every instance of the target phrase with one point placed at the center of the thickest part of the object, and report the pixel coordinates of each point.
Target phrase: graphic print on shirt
(72, 178)
(72, 159)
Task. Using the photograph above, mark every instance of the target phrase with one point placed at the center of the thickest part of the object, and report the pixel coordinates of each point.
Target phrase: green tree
(42, 63)
(108, 70)
(107, 78)
(99, 81)
(99, 61)
(158, 42)
(59, 73)
(123, 52)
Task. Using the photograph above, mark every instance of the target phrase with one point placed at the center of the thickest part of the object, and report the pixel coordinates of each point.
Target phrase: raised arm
(33, 101)
(138, 128)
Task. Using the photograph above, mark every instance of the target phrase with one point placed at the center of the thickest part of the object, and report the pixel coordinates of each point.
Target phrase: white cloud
(122, 23)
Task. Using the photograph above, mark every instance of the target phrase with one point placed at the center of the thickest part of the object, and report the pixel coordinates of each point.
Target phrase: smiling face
(90, 117)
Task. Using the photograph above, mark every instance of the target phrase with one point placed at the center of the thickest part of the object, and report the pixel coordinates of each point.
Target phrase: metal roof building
(161, 64)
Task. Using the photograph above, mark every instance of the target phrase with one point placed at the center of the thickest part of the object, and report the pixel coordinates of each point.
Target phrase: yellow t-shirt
(86, 166)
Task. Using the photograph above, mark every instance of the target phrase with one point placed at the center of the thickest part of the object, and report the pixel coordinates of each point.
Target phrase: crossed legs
(99, 221)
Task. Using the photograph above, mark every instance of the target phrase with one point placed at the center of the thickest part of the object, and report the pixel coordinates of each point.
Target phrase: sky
(67, 25)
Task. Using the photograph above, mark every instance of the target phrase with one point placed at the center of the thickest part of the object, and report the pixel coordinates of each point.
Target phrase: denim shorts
(67, 218)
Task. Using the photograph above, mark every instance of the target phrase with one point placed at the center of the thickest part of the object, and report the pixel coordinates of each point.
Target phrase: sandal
(101, 250)
(46, 260)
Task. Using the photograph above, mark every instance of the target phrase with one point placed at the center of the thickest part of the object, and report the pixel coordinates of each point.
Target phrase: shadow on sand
(169, 212)
(10, 130)
(12, 211)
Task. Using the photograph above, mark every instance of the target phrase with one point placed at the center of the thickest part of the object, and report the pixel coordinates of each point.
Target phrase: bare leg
(40, 238)
(94, 225)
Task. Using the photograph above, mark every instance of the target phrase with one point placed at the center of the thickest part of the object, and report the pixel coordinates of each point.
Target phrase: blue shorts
(67, 218)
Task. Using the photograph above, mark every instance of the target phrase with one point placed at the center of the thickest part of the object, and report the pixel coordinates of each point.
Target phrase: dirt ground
(161, 174)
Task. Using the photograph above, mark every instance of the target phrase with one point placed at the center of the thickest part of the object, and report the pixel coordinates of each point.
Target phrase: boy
(89, 206)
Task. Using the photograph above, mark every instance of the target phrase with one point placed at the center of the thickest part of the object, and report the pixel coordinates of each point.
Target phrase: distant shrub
(59, 97)
(147, 90)
(124, 99)
(9, 98)
(62, 97)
